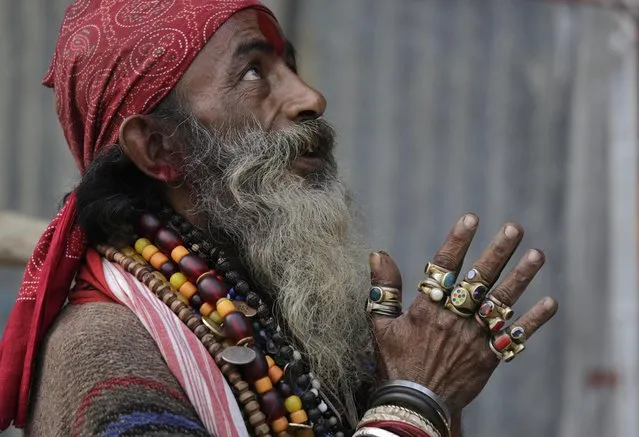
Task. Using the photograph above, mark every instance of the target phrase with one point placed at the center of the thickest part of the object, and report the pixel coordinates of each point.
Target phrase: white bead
(322, 407)
(315, 392)
(297, 356)
(436, 295)
(316, 384)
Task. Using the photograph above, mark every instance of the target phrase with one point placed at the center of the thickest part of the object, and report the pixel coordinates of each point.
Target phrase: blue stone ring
(445, 278)
(384, 295)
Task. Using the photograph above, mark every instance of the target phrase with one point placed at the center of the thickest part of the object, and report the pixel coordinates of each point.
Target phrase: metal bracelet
(416, 397)
(374, 432)
(396, 413)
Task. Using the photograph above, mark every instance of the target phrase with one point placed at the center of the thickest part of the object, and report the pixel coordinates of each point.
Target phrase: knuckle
(446, 259)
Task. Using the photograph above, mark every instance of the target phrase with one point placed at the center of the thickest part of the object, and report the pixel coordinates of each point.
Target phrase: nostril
(307, 115)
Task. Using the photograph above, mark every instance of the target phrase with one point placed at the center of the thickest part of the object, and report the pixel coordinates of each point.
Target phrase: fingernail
(511, 231)
(549, 303)
(382, 252)
(534, 256)
(470, 221)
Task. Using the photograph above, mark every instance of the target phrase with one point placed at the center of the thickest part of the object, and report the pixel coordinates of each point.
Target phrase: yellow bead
(215, 316)
(149, 251)
(177, 280)
(279, 425)
(158, 259)
(141, 244)
(299, 416)
(263, 385)
(293, 404)
(188, 290)
(270, 361)
(178, 253)
(225, 307)
(206, 309)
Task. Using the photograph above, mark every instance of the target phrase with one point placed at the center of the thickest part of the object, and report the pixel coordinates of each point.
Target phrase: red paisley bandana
(114, 58)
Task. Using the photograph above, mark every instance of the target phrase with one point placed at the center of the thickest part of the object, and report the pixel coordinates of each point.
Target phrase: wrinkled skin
(428, 344)
(434, 347)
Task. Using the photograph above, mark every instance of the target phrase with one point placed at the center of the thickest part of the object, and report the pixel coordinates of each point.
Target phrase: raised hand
(434, 347)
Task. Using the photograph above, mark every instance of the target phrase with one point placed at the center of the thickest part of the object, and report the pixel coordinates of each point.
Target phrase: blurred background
(519, 110)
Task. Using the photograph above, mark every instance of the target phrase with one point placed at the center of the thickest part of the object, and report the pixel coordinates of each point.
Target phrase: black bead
(176, 220)
(284, 389)
(272, 349)
(263, 311)
(232, 277)
(253, 299)
(184, 228)
(310, 400)
(327, 414)
(287, 353)
(278, 338)
(320, 428)
(314, 414)
(270, 324)
(223, 265)
(242, 286)
(206, 247)
(196, 301)
(303, 382)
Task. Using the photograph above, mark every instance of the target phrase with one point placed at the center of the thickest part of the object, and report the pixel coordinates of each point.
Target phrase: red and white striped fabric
(189, 361)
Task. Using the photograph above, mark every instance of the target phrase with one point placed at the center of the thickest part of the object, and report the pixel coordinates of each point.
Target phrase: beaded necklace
(201, 286)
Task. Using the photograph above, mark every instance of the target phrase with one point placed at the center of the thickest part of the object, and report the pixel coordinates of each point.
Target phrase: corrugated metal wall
(515, 109)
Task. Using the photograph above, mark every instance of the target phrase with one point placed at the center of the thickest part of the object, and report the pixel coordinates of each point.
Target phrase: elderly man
(215, 280)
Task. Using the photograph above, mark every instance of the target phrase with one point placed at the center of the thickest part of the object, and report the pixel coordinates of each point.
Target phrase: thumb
(385, 273)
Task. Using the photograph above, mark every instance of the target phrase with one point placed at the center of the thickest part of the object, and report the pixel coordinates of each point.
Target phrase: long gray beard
(296, 237)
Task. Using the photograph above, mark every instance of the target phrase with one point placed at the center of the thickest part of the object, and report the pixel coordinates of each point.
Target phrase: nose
(302, 102)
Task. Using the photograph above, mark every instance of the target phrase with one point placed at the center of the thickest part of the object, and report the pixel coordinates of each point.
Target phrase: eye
(253, 73)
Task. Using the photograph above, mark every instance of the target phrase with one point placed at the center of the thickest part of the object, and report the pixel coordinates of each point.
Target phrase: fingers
(538, 315)
(384, 272)
(511, 289)
(491, 263)
(451, 254)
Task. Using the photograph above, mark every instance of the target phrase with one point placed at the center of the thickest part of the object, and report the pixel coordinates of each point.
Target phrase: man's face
(247, 73)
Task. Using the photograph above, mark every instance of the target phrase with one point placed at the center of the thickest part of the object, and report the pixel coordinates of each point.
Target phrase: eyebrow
(263, 46)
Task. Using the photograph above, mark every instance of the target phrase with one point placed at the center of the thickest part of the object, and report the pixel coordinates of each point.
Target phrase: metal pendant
(238, 355)
(245, 309)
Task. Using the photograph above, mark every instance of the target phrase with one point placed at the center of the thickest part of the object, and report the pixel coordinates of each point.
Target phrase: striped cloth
(186, 357)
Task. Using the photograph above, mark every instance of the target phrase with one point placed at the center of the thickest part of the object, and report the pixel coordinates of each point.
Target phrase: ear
(142, 140)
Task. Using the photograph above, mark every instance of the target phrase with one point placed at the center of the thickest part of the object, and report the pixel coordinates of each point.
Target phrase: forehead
(246, 25)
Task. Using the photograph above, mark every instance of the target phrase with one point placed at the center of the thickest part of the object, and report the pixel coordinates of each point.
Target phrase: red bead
(272, 405)
(497, 326)
(237, 327)
(502, 342)
(211, 290)
(148, 225)
(168, 269)
(257, 369)
(193, 267)
(167, 239)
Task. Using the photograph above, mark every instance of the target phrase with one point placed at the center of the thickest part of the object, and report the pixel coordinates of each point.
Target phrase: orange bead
(206, 309)
(270, 361)
(178, 253)
(299, 416)
(149, 251)
(188, 290)
(225, 307)
(275, 373)
(158, 259)
(279, 425)
(263, 385)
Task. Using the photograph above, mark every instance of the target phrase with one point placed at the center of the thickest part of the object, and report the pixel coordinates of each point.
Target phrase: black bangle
(414, 397)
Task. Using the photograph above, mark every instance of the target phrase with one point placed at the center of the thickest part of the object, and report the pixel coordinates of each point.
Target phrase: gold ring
(460, 302)
(379, 294)
(492, 314)
(507, 345)
(432, 289)
(473, 276)
(444, 277)
(390, 309)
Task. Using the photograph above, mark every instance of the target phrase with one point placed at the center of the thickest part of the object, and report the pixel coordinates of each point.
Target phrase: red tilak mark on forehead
(271, 32)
